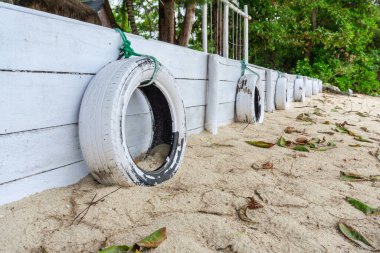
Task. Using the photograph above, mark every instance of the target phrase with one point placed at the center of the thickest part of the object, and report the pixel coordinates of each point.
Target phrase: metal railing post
(225, 30)
(246, 34)
(204, 28)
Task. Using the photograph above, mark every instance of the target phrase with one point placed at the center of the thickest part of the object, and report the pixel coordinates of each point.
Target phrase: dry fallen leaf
(267, 166)
(302, 140)
(253, 204)
(290, 130)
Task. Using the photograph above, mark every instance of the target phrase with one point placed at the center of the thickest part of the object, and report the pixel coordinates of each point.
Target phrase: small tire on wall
(315, 87)
(299, 90)
(102, 125)
(281, 97)
(249, 100)
(308, 87)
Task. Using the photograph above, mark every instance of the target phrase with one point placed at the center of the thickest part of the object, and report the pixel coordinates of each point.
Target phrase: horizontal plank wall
(44, 72)
(46, 64)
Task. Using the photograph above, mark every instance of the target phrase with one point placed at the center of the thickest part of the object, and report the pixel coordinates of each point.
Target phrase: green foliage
(342, 47)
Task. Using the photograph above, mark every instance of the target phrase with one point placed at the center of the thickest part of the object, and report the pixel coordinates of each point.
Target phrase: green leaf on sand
(353, 177)
(154, 239)
(151, 241)
(355, 145)
(301, 148)
(260, 144)
(368, 210)
(353, 235)
(359, 138)
(281, 142)
(116, 249)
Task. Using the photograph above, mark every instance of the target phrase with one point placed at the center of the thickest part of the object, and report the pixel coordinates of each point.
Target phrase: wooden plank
(226, 113)
(27, 153)
(195, 117)
(59, 177)
(230, 70)
(193, 92)
(53, 43)
(39, 100)
(227, 91)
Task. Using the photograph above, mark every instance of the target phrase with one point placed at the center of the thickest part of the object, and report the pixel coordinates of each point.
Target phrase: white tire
(308, 87)
(249, 100)
(102, 122)
(281, 96)
(315, 87)
(270, 89)
(299, 90)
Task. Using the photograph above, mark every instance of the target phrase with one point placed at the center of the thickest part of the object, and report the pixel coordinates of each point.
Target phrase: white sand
(303, 197)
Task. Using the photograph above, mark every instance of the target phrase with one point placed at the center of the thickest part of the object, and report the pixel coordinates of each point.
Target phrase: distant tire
(308, 87)
(102, 122)
(281, 97)
(249, 100)
(315, 87)
(299, 90)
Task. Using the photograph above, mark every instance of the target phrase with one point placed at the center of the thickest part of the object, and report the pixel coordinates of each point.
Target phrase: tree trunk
(187, 25)
(309, 50)
(106, 16)
(166, 25)
(131, 16)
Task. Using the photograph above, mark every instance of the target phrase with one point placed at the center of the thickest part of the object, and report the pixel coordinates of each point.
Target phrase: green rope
(127, 51)
(244, 67)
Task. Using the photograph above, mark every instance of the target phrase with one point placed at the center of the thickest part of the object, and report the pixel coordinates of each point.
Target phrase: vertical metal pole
(225, 30)
(204, 28)
(246, 34)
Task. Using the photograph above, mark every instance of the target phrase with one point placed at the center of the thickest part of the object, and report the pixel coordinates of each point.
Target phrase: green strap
(128, 51)
(244, 67)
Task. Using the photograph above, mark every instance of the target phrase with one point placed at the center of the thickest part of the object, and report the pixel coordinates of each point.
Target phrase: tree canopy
(337, 41)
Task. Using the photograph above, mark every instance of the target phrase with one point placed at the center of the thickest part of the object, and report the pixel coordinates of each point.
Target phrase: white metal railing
(224, 18)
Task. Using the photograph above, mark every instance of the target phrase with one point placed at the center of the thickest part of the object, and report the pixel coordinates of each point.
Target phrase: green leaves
(360, 138)
(151, 241)
(353, 235)
(367, 210)
(260, 144)
(154, 239)
(116, 249)
(301, 148)
(305, 117)
(353, 177)
(281, 142)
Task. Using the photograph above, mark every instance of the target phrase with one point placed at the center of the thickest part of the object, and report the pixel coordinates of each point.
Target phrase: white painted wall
(46, 64)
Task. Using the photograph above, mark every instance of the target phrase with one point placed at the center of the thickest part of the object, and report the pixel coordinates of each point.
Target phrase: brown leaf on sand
(267, 166)
(242, 214)
(253, 204)
(290, 130)
(242, 211)
(302, 140)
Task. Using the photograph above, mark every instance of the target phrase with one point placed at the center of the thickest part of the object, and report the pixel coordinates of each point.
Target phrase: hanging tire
(315, 87)
(249, 100)
(102, 122)
(299, 90)
(281, 97)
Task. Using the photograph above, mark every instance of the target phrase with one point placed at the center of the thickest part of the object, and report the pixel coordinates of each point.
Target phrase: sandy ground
(302, 195)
